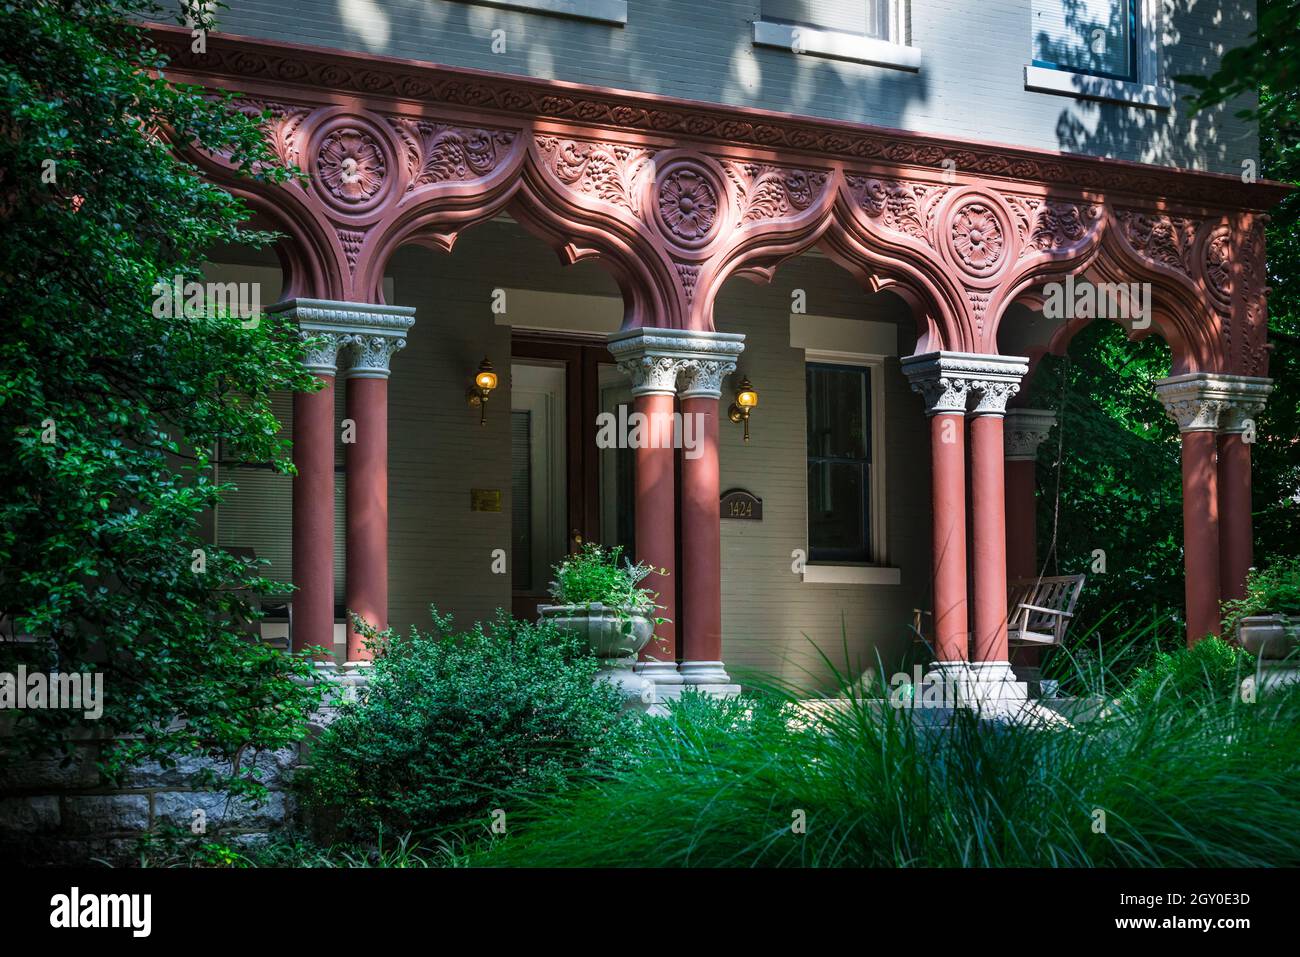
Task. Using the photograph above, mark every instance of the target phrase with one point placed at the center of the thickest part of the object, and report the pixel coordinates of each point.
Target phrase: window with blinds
(839, 463)
(1097, 37)
(862, 17)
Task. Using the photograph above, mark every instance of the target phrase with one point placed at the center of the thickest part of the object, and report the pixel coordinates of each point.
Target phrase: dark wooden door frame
(581, 357)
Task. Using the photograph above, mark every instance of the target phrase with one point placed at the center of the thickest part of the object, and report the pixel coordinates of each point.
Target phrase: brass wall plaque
(485, 500)
(742, 505)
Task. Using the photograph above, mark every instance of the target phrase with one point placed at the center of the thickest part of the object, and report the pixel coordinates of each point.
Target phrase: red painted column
(989, 537)
(313, 518)
(1201, 533)
(1236, 533)
(702, 549)
(1022, 524)
(656, 511)
(948, 535)
(367, 509)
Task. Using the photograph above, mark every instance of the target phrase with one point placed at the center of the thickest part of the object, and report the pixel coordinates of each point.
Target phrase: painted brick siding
(970, 84)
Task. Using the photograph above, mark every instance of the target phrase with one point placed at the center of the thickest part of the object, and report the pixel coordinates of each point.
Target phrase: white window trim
(613, 12)
(896, 52)
(879, 572)
(1152, 89)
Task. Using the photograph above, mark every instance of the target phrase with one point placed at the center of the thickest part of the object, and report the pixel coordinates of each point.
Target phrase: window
(863, 17)
(839, 463)
(865, 31)
(1093, 37)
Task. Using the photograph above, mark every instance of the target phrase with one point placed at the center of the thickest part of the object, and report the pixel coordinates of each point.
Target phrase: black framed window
(839, 463)
(1094, 37)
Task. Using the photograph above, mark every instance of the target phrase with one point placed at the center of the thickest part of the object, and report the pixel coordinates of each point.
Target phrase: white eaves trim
(836, 45)
(613, 12)
(1086, 87)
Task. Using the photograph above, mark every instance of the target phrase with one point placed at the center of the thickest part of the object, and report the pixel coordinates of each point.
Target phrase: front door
(565, 490)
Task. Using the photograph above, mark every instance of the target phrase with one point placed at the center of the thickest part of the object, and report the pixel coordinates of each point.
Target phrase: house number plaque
(485, 500)
(740, 504)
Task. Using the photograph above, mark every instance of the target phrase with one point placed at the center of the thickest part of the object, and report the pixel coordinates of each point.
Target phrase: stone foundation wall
(52, 813)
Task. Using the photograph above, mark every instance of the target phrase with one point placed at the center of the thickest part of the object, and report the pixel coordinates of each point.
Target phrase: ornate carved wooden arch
(1205, 273)
(676, 197)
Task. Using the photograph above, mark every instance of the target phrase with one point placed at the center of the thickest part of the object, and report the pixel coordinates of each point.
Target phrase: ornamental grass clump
(1198, 780)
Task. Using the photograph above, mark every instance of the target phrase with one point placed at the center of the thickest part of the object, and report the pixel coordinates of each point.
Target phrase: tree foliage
(109, 415)
(1119, 471)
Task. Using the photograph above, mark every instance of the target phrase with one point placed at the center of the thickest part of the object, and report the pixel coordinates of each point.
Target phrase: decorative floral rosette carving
(977, 237)
(976, 233)
(687, 204)
(351, 163)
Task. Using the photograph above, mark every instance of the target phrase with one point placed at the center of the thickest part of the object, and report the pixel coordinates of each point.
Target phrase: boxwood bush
(457, 724)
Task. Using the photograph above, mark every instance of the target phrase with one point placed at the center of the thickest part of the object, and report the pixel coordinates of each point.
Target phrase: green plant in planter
(1271, 591)
(595, 576)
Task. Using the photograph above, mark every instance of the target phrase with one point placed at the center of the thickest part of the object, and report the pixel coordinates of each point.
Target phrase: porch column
(653, 373)
(376, 333)
(999, 380)
(1194, 401)
(1237, 432)
(1025, 431)
(313, 485)
(945, 404)
(949, 381)
(711, 358)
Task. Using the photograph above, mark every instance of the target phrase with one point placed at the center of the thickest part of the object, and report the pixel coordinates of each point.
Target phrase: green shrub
(595, 575)
(454, 724)
(1274, 590)
(1210, 667)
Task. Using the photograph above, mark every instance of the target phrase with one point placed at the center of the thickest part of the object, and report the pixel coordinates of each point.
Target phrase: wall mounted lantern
(746, 400)
(485, 380)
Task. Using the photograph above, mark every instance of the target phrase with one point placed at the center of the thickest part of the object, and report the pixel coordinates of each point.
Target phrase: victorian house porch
(673, 198)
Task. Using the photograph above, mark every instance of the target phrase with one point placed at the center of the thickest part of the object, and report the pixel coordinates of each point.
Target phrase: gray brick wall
(970, 84)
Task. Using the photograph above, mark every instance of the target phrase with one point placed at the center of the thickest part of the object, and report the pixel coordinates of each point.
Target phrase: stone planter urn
(615, 636)
(1275, 640)
(1269, 637)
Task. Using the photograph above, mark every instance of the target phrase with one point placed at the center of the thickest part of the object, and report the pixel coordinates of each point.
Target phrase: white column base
(709, 677)
(989, 687)
(660, 672)
(1271, 676)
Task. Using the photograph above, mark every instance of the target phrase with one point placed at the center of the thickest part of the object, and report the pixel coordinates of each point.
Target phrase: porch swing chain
(1051, 557)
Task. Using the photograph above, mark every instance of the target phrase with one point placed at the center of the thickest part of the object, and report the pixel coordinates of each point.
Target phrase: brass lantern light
(485, 380)
(746, 401)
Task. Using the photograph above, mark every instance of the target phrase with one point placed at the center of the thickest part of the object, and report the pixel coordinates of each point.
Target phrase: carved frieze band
(1208, 402)
(674, 361)
(960, 382)
(358, 339)
(244, 59)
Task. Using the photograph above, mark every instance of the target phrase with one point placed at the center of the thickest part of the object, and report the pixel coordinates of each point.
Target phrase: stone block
(105, 813)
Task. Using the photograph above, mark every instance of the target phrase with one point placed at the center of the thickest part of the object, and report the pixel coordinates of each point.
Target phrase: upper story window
(863, 17)
(1094, 37)
(866, 31)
